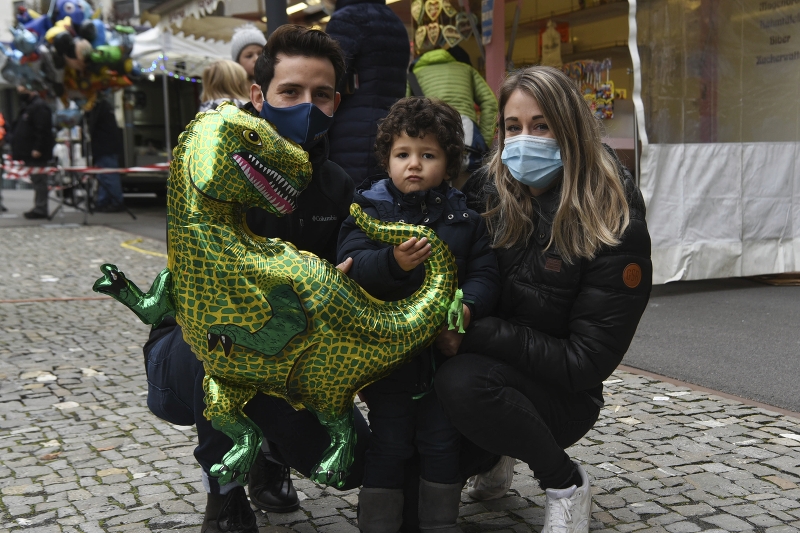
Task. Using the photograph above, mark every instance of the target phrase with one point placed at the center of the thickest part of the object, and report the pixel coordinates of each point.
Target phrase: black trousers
(508, 413)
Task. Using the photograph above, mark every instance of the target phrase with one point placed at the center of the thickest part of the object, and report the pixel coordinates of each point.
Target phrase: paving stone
(682, 527)
(727, 522)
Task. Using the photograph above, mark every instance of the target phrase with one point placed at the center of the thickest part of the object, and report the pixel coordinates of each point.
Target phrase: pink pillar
(496, 50)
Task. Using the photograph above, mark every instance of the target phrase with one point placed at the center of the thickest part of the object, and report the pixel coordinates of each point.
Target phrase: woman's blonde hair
(225, 79)
(592, 211)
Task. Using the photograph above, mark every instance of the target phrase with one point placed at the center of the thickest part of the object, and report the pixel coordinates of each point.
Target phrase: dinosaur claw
(213, 340)
(227, 344)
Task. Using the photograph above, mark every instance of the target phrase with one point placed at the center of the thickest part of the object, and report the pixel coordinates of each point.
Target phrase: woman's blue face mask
(304, 123)
(534, 161)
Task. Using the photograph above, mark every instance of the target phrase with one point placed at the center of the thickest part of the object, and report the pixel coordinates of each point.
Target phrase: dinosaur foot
(237, 462)
(334, 467)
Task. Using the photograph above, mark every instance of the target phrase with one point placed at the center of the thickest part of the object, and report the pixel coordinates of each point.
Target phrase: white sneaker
(568, 510)
(494, 483)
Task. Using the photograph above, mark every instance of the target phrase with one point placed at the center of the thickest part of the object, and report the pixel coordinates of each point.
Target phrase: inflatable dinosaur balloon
(263, 315)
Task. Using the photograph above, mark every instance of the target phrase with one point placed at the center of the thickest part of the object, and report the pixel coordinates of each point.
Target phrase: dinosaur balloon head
(233, 156)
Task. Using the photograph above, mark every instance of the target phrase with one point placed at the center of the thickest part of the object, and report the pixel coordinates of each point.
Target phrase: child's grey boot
(438, 507)
(380, 510)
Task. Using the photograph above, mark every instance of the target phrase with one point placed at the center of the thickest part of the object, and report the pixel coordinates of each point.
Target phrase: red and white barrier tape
(16, 170)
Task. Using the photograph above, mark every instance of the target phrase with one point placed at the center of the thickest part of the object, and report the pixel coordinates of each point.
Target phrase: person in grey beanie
(246, 46)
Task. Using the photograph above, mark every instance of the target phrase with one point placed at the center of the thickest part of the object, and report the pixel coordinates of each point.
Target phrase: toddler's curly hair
(417, 116)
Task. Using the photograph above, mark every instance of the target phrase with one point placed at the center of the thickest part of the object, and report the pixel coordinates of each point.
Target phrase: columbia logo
(325, 218)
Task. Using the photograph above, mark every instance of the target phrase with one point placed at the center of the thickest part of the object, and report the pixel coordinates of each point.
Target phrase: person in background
(449, 76)
(107, 147)
(224, 81)
(568, 225)
(420, 145)
(32, 142)
(375, 43)
(246, 45)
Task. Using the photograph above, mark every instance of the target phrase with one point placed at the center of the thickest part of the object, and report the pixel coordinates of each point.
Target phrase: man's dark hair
(417, 117)
(294, 40)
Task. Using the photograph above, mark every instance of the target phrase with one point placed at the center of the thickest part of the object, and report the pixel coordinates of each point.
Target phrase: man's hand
(449, 341)
(36, 154)
(412, 253)
(345, 265)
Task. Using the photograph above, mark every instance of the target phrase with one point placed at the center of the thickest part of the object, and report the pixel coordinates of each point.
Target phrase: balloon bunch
(69, 51)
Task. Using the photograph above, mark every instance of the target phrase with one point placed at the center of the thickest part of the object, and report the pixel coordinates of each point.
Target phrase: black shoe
(271, 487)
(31, 215)
(229, 513)
(3, 208)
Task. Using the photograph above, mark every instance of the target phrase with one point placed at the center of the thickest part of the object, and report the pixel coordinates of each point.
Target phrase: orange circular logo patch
(632, 275)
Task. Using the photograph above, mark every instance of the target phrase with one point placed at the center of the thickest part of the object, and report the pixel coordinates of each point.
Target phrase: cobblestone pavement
(79, 451)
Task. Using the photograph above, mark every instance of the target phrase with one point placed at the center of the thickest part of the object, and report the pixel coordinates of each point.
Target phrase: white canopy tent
(184, 54)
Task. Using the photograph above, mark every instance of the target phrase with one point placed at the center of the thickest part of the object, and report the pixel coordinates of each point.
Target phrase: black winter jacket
(104, 130)
(444, 210)
(568, 325)
(33, 130)
(375, 43)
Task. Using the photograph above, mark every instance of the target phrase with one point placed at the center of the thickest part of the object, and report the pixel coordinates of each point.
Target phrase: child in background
(246, 45)
(420, 144)
(224, 81)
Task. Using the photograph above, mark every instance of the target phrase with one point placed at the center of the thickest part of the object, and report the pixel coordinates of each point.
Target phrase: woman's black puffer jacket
(568, 325)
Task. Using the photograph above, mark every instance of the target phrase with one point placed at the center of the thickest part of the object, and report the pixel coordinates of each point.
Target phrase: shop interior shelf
(575, 17)
(617, 51)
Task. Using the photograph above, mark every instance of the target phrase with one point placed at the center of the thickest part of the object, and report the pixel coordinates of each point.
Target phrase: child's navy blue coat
(444, 209)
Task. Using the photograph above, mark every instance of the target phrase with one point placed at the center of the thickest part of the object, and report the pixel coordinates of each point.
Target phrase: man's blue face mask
(304, 123)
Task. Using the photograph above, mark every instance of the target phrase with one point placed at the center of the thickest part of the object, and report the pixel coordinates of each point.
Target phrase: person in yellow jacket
(449, 76)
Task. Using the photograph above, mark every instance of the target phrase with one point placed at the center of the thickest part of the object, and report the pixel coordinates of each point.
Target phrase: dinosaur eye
(252, 136)
(69, 7)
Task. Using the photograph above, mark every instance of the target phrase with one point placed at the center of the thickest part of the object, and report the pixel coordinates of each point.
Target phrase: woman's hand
(449, 341)
(412, 253)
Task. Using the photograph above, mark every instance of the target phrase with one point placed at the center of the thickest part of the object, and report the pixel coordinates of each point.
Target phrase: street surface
(80, 452)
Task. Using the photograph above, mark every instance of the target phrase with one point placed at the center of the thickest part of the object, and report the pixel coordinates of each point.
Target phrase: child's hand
(448, 342)
(412, 253)
(344, 266)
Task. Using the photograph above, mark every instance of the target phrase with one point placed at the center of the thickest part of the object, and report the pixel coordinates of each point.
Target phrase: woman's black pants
(508, 413)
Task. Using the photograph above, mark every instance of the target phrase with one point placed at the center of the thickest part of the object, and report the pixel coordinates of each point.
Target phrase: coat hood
(434, 57)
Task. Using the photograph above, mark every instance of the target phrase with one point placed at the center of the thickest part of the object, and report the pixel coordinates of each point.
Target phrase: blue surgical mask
(304, 123)
(534, 161)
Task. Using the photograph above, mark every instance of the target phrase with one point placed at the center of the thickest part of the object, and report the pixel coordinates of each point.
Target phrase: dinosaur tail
(421, 314)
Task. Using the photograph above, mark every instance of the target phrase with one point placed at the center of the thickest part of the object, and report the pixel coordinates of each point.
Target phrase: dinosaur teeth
(271, 184)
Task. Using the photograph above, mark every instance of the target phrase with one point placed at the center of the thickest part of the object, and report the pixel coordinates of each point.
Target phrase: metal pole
(166, 115)
(276, 15)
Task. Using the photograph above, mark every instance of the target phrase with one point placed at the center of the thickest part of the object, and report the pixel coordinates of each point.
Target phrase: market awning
(182, 53)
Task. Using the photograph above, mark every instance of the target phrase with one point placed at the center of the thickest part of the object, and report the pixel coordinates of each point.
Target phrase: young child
(420, 145)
